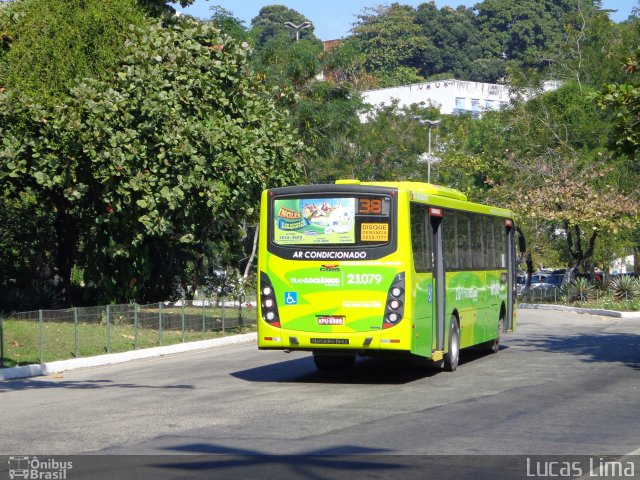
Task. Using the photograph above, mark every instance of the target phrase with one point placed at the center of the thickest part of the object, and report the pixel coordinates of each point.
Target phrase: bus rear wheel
(494, 346)
(452, 357)
(333, 362)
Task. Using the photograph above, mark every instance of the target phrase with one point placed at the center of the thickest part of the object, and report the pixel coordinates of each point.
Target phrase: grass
(606, 303)
(21, 339)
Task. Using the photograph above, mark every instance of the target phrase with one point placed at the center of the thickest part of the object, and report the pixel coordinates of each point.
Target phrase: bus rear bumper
(271, 338)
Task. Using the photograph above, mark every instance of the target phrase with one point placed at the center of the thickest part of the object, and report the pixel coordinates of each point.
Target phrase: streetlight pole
(297, 28)
(431, 124)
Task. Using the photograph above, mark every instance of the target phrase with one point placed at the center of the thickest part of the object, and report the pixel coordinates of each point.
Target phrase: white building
(449, 96)
(623, 265)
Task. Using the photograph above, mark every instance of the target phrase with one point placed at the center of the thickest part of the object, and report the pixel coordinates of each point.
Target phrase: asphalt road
(563, 384)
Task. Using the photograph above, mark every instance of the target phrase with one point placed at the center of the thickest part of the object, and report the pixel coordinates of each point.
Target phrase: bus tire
(494, 345)
(452, 357)
(333, 362)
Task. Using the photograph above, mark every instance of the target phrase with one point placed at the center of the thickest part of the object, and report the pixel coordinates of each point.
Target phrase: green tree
(345, 65)
(25, 249)
(523, 32)
(148, 166)
(227, 23)
(548, 162)
(162, 7)
(390, 39)
(387, 146)
(326, 116)
(48, 46)
(593, 48)
(282, 61)
(453, 40)
(623, 100)
(270, 23)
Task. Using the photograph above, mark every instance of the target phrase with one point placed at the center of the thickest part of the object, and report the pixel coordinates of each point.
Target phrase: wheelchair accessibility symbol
(290, 298)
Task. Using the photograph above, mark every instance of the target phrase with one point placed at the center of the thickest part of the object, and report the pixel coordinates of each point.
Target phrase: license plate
(330, 320)
(330, 341)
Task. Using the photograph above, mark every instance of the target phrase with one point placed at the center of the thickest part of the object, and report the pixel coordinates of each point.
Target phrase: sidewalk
(37, 370)
(589, 311)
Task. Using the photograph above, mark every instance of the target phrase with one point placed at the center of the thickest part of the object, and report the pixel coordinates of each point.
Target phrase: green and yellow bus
(383, 269)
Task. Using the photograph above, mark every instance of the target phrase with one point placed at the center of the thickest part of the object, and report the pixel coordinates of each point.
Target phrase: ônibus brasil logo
(33, 468)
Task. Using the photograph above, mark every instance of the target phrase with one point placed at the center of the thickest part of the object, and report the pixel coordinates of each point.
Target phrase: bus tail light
(268, 304)
(394, 310)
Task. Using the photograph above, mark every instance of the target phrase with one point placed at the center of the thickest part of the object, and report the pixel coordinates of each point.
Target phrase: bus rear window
(331, 221)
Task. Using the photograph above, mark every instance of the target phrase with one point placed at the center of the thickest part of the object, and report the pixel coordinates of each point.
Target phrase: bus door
(439, 284)
(511, 274)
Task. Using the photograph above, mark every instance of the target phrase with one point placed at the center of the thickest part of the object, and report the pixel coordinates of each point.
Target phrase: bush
(624, 287)
(582, 290)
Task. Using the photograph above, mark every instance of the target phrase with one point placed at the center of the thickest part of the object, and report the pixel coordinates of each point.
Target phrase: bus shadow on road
(366, 371)
(623, 348)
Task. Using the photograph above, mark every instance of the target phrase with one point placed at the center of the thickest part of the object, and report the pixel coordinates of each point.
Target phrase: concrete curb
(113, 358)
(589, 311)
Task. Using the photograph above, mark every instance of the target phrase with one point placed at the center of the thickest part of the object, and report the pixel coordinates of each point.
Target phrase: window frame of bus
(373, 251)
(498, 247)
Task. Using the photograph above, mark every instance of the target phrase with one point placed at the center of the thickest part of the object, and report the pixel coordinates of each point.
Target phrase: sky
(333, 18)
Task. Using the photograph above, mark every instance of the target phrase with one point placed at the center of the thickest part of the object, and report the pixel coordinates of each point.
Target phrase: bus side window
(501, 243)
(489, 242)
(449, 224)
(477, 243)
(464, 241)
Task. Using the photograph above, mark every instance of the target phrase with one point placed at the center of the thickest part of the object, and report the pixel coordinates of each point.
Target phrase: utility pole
(431, 124)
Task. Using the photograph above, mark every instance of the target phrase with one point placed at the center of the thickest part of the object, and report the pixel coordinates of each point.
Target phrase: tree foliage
(51, 45)
(140, 150)
(326, 116)
(624, 100)
(386, 147)
(548, 162)
(226, 22)
(593, 48)
(345, 66)
(26, 252)
(162, 7)
(270, 23)
(523, 30)
(454, 41)
(146, 167)
(402, 44)
(282, 61)
(389, 38)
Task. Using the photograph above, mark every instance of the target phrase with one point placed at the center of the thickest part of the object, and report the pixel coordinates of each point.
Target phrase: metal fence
(49, 335)
(569, 294)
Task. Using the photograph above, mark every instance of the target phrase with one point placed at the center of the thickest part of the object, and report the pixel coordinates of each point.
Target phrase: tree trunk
(67, 239)
(247, 269)
(580, 255)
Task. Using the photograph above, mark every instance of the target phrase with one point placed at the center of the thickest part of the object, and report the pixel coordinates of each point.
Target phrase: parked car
(557, 280)
(546, 285)
(538, 278)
